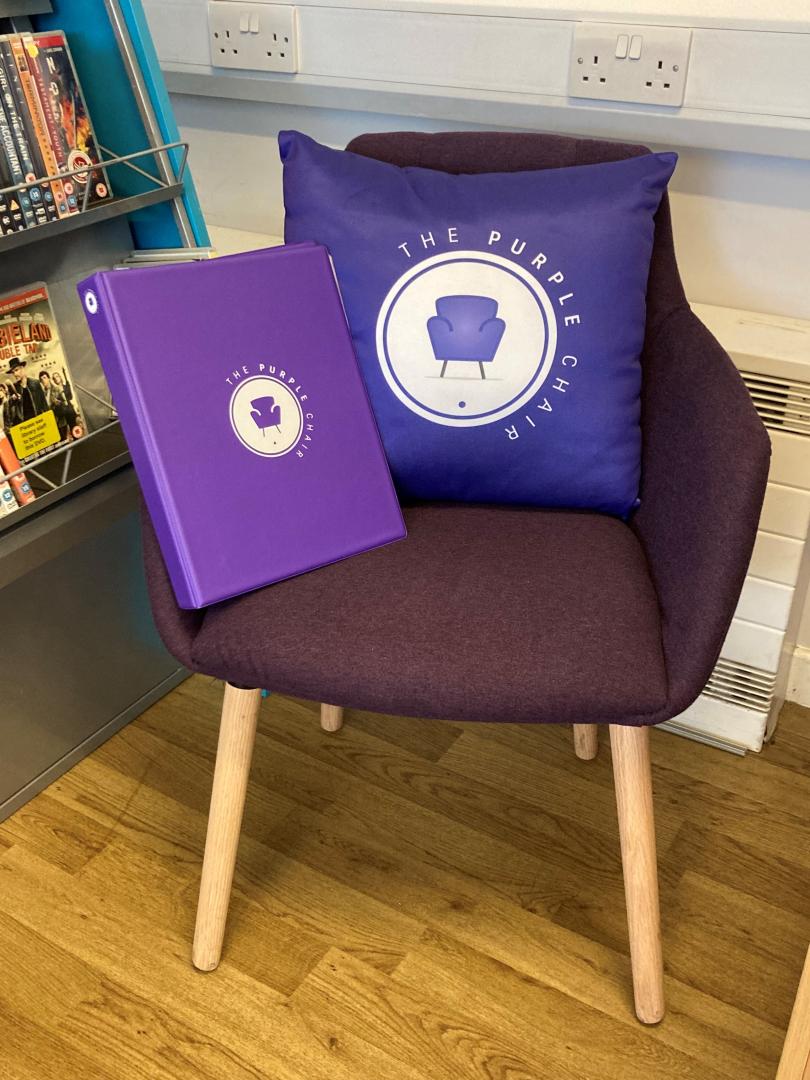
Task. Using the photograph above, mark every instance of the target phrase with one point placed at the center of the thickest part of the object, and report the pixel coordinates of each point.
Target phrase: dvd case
(9, 146)
(34, 118)
(8, 504)
(11, 215)
(40, 404)
(66, 118)
(10, 463)
(25, 164)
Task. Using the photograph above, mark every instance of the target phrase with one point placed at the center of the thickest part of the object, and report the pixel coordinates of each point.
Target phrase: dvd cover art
(27, 148)
(34, 119)
(66, 116)
(11, 213)
(17, 482)
(8, 147)
(39, 406)
(8, 504)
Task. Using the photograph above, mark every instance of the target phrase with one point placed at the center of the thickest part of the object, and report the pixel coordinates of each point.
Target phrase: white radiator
(739, 707)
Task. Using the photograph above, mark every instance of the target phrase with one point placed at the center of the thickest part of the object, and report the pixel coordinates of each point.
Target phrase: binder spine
(111, 347)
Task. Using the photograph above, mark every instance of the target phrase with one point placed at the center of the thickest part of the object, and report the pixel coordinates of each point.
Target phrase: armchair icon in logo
(465, 328)
(266, 416)
(464, 310)
(266, 413)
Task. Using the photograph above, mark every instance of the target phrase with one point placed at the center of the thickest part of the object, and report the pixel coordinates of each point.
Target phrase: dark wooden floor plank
(420, 1027)
(99, 1017)
(61, 835)
(414, 900)
(572, 1039)
(244, 1019)
(568, 793)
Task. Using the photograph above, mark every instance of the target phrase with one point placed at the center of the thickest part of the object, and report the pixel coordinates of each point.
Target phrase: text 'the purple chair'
(623, 627)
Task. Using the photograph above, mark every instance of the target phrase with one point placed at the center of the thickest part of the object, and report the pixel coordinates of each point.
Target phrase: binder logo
(466, 337)
(267, 412)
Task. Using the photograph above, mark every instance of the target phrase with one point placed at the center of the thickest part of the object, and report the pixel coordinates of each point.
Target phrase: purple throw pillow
(498, 318)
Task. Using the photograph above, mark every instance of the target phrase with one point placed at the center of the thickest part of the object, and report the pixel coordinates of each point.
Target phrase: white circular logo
(466, 338)
(76, 159)
(91, 302)
(266, 416)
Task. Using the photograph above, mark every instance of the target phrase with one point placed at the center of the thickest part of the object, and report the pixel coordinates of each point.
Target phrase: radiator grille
(784, 405)
(740, 684)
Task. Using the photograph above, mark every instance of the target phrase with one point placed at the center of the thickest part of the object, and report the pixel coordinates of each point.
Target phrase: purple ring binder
(246, 416)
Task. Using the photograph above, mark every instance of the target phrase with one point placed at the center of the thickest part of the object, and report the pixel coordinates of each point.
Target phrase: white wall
(742, 221)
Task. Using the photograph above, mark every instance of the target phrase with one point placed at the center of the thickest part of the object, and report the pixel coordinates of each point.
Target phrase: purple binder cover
(246, 416)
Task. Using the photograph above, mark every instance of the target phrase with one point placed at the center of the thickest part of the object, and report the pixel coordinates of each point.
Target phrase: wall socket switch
(641, 64)
(254, 37)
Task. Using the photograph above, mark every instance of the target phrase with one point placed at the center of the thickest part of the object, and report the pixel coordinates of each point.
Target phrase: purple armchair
(625, 629)
(265, 412)
(465, 328)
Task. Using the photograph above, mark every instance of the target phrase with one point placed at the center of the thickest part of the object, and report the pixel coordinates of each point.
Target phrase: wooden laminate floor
(413, 901)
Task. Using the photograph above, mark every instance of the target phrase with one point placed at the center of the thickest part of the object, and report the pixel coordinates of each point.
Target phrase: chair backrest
(514, 151)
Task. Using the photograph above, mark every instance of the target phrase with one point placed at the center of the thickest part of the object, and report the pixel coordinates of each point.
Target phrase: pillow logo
(465, 328)
(267, 414)
(465, 338)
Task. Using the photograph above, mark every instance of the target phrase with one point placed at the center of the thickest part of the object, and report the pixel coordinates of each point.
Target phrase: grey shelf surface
(71, 572)
(68, 522)
(49, 498)
(11, 9)
(11, 802)
(112, 209)
(72, 581)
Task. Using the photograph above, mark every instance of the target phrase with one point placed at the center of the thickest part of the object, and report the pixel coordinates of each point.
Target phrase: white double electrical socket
(254, 37)
(641, 64)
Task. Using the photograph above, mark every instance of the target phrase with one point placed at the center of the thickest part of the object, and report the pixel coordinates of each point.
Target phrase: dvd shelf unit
(72, 591)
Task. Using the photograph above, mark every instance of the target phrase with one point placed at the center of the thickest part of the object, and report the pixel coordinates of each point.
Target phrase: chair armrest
(705, 465)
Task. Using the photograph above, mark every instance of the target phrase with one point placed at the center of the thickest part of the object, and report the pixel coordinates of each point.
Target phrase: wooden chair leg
(795, 1062)
(240, 710)
(633, 778)
(586, 741)
(331, 717)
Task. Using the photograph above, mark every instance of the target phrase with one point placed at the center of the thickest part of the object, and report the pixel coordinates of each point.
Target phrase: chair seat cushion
(480, 614)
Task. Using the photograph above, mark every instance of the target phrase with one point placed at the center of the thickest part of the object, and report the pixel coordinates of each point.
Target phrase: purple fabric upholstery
(177, 626)
(704, 470)
(472, 617)
(529, 615)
